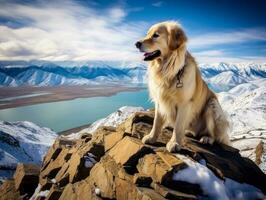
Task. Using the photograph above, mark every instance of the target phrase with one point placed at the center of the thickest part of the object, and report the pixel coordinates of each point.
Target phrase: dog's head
(161, 39)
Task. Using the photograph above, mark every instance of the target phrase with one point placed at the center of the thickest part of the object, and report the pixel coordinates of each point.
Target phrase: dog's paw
(148, 139)
(206, 140)
(173, 146)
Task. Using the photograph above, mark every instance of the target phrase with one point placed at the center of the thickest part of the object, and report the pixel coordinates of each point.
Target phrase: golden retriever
(182, 98)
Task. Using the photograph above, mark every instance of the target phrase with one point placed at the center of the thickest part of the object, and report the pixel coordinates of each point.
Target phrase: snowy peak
(51, 74)
(22, 141)
(88, 73)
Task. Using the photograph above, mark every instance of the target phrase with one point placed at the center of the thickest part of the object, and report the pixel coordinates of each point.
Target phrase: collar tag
(179, 84)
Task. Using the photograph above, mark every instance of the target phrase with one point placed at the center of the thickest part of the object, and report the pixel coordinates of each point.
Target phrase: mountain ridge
(53, 74)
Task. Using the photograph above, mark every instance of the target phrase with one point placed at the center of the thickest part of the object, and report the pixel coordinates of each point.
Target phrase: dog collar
(179, 82)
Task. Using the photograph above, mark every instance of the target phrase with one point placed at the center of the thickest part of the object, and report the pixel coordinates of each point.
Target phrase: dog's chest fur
(167, 96)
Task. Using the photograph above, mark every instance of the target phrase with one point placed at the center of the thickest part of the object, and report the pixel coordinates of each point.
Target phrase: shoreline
(26, 95)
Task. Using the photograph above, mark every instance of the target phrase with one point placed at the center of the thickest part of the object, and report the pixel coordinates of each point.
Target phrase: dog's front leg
(183, 118)
(156, 128)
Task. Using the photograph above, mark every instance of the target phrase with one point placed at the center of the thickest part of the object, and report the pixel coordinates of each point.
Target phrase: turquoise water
(64, 115)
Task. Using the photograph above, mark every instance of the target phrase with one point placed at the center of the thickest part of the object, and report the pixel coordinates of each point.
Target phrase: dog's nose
(138, 44)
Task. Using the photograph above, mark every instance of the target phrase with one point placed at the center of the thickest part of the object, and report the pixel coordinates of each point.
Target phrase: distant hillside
(220, 76)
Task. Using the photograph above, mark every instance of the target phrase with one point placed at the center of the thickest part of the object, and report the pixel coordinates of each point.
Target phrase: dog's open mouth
(151, 55)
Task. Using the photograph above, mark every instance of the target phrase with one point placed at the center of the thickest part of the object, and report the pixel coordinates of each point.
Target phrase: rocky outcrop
(112, 163)
(23, 184)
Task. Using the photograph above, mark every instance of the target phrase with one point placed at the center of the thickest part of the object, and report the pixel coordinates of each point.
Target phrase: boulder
(26, 178)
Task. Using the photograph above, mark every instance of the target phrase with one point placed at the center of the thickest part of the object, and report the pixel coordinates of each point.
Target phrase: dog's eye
(155, 35)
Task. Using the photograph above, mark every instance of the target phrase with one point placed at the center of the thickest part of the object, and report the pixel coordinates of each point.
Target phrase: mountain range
(220, 76)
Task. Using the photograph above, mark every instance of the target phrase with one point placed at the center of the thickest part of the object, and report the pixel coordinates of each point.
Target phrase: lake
(68, 114)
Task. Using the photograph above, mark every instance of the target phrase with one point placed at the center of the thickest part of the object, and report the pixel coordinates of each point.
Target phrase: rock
(154, 166)
(9, 192)
(54, 193)
(78, 168)
(170, 160)
(55, 150)
(142, 180)
(103, 177)
(172, 194)
(125, 189)
(127, 152)
(111, 139)
(54, 165)
(227, 162)
(259, 152)
(78, 191)
(148, 194)
(112, 163)
(144, 117)
(26, 178)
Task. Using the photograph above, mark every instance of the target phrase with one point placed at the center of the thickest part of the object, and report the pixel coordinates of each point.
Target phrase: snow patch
(214, 187)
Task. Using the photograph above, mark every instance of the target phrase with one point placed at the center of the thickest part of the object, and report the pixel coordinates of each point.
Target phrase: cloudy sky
(57, 30)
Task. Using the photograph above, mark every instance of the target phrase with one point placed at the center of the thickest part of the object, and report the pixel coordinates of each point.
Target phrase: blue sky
(225, 30)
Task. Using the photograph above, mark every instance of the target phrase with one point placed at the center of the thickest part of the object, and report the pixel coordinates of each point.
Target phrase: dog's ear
(177, 37)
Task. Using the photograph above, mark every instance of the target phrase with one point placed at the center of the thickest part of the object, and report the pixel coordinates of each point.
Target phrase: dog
(182, 99)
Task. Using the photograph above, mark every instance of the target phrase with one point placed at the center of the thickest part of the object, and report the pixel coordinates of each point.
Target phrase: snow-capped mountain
(224, 76)
(22, 141)
(65, 73)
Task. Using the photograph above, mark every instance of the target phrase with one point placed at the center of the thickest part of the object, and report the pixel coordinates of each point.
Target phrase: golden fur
(192, 108)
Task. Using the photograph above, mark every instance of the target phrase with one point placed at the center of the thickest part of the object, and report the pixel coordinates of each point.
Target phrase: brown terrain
(114, 164)
(52, 94)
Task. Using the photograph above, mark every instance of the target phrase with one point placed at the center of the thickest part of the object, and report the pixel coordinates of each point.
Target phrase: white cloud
(68, 31)
(220, 38)
(157, 4)
(215, 56)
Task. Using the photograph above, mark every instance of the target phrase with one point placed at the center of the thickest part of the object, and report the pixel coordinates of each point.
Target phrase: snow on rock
(113, 119)
(89, 160)
(22, 141)
(38, 193)
(214, 187)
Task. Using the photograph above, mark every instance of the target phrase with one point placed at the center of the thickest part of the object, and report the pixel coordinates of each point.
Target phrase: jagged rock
(259, 152)
(159, 166)
(111, 139)
(55, 150)
(142, 180)
(54, 193)
(78, 191)
(148, 194)
(112, 163)
(103, 176)
(125, 189)
(127, 152)
(9, 192)
(26, 178)
(54, 165)
(225, 161)
(172, 194)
